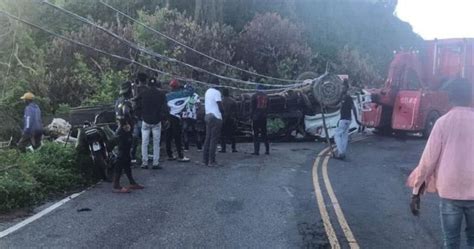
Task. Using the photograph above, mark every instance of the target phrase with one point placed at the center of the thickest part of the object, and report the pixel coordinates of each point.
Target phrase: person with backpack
(259, 110)
(125, 120)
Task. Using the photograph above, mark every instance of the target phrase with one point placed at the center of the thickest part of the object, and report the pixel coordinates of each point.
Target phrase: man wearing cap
(177, 100)
(153, 110)
(33, 125)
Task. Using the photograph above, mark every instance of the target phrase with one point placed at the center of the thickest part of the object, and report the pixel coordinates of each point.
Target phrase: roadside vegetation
(281, 39)
(31, 178)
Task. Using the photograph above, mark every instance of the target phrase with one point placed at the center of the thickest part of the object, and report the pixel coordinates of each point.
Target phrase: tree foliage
(278, 38)
(273, 45)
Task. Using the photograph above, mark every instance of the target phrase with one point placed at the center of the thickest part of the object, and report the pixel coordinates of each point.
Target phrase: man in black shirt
(341, 138)
(259, 108)
(125, 120)
(153, 106)
(229, 121)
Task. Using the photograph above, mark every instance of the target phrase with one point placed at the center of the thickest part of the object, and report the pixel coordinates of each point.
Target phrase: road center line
(322, 207)
(337, 208)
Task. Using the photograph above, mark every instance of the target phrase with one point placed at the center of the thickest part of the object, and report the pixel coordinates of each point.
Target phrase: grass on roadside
(31, 178)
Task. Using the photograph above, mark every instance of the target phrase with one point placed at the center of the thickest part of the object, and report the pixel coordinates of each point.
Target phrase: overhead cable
(154, 54)
(124, 58)
(192, 49)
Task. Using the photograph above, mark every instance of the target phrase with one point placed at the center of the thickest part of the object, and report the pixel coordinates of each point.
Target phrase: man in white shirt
(214, 109)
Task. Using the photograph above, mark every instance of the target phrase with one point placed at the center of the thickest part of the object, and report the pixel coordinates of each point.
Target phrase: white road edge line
(33, 218)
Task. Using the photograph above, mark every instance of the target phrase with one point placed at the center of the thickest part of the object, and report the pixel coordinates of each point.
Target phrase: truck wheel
(429, 123)
(307, 75)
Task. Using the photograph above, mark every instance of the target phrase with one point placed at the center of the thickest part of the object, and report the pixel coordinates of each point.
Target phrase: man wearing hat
(125, 120)
(33, 125)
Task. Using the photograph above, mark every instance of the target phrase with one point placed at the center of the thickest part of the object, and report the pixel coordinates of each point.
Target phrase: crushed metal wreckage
(293, 113)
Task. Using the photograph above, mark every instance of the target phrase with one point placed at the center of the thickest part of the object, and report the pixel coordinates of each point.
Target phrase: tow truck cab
(414, 95)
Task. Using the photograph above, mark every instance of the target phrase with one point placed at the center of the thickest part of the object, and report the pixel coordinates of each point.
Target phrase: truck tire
(307, 75)
(429, 123)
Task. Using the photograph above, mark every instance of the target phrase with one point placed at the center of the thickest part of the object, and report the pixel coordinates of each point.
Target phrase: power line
(152, 53)
(121, 57)
(192, 49)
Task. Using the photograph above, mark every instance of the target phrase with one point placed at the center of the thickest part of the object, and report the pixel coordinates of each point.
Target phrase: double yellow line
(333, 240)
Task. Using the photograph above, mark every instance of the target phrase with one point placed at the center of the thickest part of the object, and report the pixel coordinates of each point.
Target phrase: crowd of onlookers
(145, 110)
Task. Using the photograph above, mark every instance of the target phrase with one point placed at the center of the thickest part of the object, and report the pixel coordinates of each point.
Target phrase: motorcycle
(97, 138)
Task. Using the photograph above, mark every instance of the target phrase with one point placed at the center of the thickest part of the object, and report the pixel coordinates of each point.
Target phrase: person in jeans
(341, 138)
(189, 117)
(33, 125)
(125, 120)
(177, 100)
(259, 109)
(139, 86)
(153, 106)
(214, 110)
(229, 122)
(446, 167)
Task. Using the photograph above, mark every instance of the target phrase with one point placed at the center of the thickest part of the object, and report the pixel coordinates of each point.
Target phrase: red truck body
(413, 96)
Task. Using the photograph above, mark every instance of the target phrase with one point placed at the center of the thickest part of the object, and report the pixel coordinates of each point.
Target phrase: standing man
(259, 110)
(152, 103)
(190, 117)
(125, 120)
(214, 110)
(177, 100)
(139, 86)
(447, 167)
(33, 125)
(341, 138)
(229, 123)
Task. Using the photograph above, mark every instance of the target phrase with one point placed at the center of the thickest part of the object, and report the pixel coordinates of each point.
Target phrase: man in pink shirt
(447, 167)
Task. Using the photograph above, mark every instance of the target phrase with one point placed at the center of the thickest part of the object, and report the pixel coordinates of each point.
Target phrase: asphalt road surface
(250, 202)
(253, 202)
(370, 187)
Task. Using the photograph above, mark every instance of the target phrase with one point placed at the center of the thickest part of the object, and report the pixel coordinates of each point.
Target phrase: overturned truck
(293, 113)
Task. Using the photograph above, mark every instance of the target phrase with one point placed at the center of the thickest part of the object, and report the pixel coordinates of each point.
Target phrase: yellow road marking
(322, 207)
(337, 208)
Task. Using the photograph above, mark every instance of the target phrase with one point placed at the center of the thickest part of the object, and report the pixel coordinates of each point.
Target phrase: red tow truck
(414, 95)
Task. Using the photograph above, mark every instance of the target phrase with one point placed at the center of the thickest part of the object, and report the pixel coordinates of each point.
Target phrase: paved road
(371, 190)
(251, 202)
